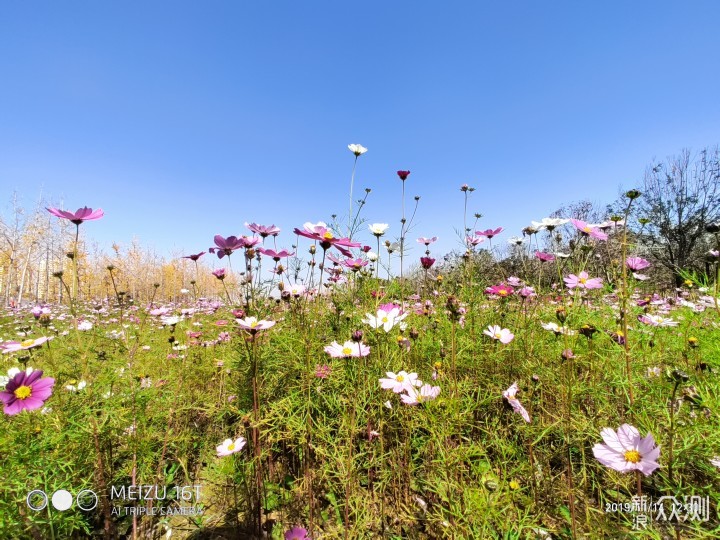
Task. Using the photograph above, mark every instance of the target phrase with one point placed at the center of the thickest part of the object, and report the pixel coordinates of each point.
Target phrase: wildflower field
(324, 383)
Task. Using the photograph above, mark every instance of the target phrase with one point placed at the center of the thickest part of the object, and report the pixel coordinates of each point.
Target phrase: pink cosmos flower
(544, 257)
(263, 230)
(323, 371)
(249, 241)
(500, 290)
(347, 349)
(473, 241)
(325, 237)
(219, 273)
(194, 257)
(514, 402)
(637, 263)
(427, 262)
(225, 246)
(626, 451)
(400, 382)
(229, 446)
(490, 232)
(297, 533)
(657, 320)
(82, 214)
(589, 230)
(582, 281)
(252, 325)
(276, 255)
(14, 346)
(503, 335)
(26, 391)
(355, 264)
(427, 241)
(415, 396)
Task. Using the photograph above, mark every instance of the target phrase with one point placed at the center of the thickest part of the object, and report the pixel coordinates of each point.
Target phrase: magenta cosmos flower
(26, 391)
(589, 230)
(219, 273)
(263, 230)
(582, 281)
(544, 257)
(225, 246)
(500, 290)
(489, 233)
(427, 262)
(320, 232)
(82, 214)
(354, 264)
(297, 533)
(626, 451)
(276, 255)
(195, 256)
(637, 263)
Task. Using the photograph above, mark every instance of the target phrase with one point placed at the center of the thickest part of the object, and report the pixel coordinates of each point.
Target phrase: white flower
(515, 241)
(184, 291)
(386, 319)
(425, 393)
(372, 256)
(394, 246)
(357, 149)
(548, 223)
(400, 382)
(229, 446)
(84, 325)
(74, 387)
(378, 229)
(170, 321)
(554, 327)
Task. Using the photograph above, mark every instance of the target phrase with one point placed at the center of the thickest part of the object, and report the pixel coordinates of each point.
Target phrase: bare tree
(680, 197)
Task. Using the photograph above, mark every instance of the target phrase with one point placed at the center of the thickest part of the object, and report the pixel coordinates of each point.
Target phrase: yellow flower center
(23, 392)
(399, 378)
(27, 342)
(498, 335)
(632, 456)
(583, 280)
(346, 351)
(328, 235)
(587, 229)
(502, 292)
(384, 319)
(253, 324)
(231, 447)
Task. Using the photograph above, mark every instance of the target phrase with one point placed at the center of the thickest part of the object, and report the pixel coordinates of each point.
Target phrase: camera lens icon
(62, 500)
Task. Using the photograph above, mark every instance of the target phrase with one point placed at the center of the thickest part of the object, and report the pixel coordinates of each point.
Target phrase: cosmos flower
(427, 241)
(425, 393)
(357, 149)
(355, 264)
(324, 236)
(657, 320)
(26, 391)
(490, 232)
(589, 230)
(558, 330)
(427, 262)
(400, 382)
(548, 223)
(225, 246)
(473, 241)
(219, 273)
(252, 325)
(263, 230)
(194, 257)
(229, 446)
(626, 451)
(502, 290)
(582, 281)
(503, 335)
(544, 257)
(276, 255)
(378, 229)
(82, 214)
(514, 402)
(386, 319)
(297, 533)
(637, 263)
(347, 349)
(13, 346)
(403, 175)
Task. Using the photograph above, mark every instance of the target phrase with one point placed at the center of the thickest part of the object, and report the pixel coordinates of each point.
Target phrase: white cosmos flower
(372, 256)
(84, 325)
(357, 149)
(378, 229)
(386, 319)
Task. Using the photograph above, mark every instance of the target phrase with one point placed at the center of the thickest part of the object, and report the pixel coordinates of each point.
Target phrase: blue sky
(183, 120)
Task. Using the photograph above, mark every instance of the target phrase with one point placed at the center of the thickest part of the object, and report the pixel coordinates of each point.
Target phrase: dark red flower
(403, 175)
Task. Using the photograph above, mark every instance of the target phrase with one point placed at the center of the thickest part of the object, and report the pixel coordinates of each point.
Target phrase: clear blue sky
(183, 120)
